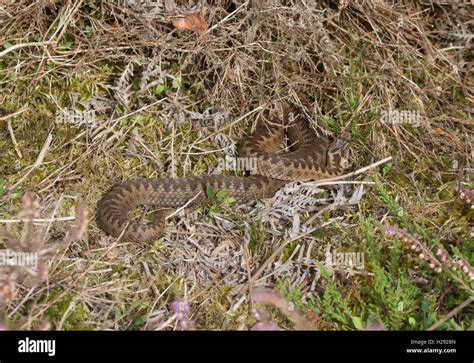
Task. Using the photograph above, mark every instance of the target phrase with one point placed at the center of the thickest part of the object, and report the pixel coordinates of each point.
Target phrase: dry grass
(171, 103)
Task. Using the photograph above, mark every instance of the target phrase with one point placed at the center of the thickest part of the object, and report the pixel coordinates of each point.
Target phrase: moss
(76, 312)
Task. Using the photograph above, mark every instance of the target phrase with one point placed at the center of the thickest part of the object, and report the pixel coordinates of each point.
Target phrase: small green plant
(167, 86)
(332, 305)
(389, 200)
(73, 314)
(37, 37)
(89, 31)
(292, 293)
(4, 197)
(7, 45)
(218, 199)
(392, 297)
(65, 45)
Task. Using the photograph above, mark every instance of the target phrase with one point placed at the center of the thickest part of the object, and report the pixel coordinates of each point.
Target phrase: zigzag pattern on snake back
(312, 157)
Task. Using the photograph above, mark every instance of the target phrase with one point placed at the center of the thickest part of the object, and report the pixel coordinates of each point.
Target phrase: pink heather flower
(182, 310)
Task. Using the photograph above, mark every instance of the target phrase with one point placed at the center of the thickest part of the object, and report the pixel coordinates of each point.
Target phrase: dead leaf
(191, 22)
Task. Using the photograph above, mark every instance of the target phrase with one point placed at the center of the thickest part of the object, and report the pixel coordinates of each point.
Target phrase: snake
(312, 155)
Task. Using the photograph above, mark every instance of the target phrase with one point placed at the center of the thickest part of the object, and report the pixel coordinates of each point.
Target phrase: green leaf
(89, 31)
(430, 320)
(1, 186)
(213, 210)
(230, 200)
(176, 83)
(221, 194)
(357, 323)
(138, 118)
(209, 192)
(387, 167)
(139, 320)
(412, 321)
(15, 195)
(7, 45)
(159, 89)
(65, 46)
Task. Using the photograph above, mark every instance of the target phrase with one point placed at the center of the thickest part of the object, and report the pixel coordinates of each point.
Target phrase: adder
(312, 156)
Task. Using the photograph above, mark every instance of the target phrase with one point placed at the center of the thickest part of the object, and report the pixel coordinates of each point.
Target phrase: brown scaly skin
(312, 157)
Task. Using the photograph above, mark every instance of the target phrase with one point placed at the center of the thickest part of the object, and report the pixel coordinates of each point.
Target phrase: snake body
(312, 157)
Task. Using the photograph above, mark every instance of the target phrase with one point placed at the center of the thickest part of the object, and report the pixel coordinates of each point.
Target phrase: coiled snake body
(312, 157)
